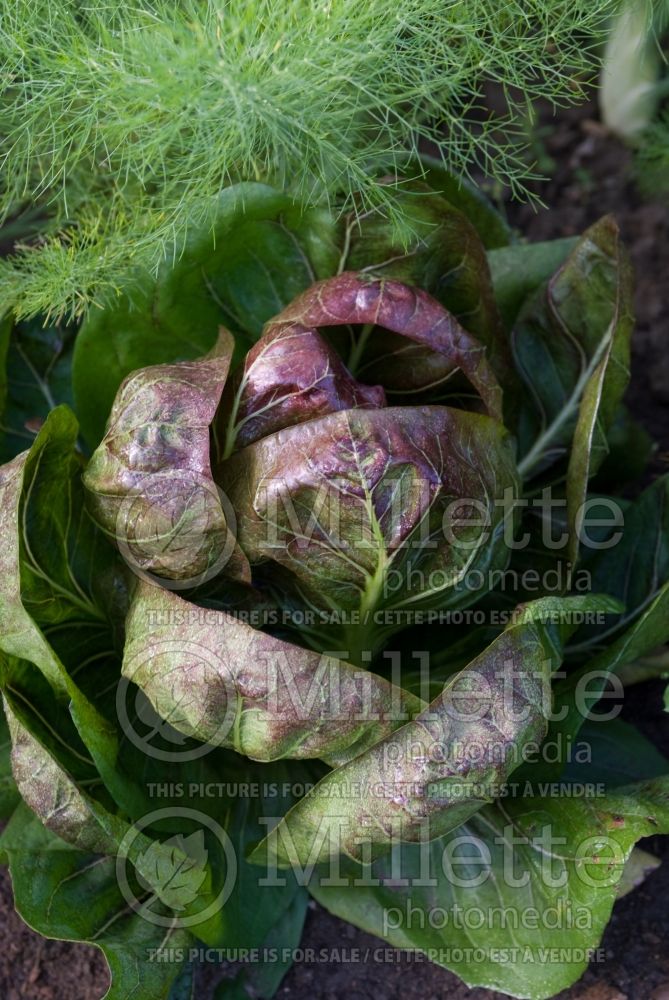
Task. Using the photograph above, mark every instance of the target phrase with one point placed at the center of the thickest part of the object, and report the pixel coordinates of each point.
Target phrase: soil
(592, 176)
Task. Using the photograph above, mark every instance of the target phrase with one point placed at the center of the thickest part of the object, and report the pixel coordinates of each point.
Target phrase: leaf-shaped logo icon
(174, 870)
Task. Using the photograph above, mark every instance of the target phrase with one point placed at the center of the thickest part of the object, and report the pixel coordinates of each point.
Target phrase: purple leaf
(150, 482)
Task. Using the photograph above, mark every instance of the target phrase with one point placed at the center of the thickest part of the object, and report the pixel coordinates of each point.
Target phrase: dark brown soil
(591, 177)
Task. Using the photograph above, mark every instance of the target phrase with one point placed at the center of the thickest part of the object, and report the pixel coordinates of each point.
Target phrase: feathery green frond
(124, 122)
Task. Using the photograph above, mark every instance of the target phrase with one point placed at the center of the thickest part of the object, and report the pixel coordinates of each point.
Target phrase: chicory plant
(329, 605)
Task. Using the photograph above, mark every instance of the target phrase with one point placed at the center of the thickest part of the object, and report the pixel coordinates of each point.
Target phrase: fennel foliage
(121, 124)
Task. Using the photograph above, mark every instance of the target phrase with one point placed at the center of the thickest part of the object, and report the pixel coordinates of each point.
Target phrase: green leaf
(9, 796)
(631, 562)
(67, 567)
(35, 376)
(647, 667)
(51, 792)
(576, 332)
(118, 340)
(259, 912)
(46, 761)
(635, 570)
(586, 450)
(576, 695)
(212, 676)
(52, 562)
(176, 872)
(74, 896)
(596, 411)
(263, 978)
(650, 629)
(38, 543)
(469, 198)
(271, 250)
(630, 449)
(260, 252)
(183, 987)
(232, 989)
(422, 781)
(535, 882)
(619, 755)
(518, 270)
(189, 872)
(201, 872)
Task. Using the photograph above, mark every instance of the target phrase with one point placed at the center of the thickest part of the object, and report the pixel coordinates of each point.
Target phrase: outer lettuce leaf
(584, 686)
(52, 794)
(647, 667)
(55, 565)
(35, 376)
(490, 224)
(9, 795)
(635, 568)
(576, 333)
(418, 763)
(619, 755)
(55, 772)
(630, 449)
(74, 896)
(635, 571)
(57, 570)
(263, 978)
(520, 269)
(597, 410)
(40, 576)
(256, 913)
(177, 871)
(439, 769)
(580, 842)
(185, 873)
(213, 677)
